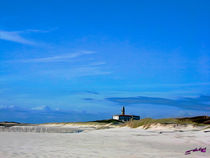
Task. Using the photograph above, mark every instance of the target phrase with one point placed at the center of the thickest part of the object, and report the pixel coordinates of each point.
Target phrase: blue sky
(60, 60)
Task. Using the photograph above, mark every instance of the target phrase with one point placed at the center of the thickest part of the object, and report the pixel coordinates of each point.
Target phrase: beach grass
(97, 122)
(147, 122)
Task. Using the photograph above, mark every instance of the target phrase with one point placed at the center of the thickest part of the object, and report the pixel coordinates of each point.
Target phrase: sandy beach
(106, 143)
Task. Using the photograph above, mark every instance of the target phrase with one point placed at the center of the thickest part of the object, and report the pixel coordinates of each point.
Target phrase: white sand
(107, 143)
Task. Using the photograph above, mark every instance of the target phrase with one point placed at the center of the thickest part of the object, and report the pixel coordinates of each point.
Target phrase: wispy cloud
(43, 108)
(92, 92)
(90, 70)
(37, 30)
(198, 103)
(173, 85)
(97, 63)
(186, 84)
(15, 36)
(80, 71)
(69, 69)
(57, 58)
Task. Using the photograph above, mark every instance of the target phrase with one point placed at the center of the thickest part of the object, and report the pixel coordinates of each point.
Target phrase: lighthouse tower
(123, 110)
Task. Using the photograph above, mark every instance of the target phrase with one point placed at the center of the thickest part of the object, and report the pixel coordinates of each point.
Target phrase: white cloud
(97, 63)
(57, 58)
(44, 107)
(15, 36)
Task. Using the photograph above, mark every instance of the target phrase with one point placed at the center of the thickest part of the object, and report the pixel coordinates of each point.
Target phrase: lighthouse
(123, 117)
(123, 110)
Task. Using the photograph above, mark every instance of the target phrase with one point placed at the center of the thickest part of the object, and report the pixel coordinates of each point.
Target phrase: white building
(124, 117)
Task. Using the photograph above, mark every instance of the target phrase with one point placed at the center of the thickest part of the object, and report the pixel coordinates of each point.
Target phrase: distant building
(124, 117)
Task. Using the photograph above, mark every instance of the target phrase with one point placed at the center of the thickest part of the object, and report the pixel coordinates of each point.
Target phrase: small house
(124, 117)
